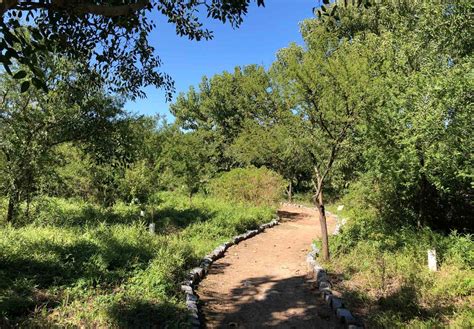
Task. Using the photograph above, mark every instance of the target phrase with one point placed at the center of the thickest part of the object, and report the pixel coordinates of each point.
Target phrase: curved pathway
(264, 281)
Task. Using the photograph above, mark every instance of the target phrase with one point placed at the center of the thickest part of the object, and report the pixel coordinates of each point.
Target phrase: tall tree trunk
(28, 195)
(290, 191)
(422, 193)
(28, 203)
(12, 205)
(324, 228)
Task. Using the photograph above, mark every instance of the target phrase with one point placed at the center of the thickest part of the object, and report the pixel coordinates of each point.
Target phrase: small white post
(151, 228)
(432, 265)
(142, 213)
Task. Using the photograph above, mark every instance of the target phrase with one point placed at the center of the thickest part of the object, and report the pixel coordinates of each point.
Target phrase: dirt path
(264, 281)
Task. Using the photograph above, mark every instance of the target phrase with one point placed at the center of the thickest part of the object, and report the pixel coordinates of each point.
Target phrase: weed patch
(387, 281)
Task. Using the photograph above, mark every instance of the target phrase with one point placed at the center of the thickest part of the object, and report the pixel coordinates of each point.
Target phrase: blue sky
(263, 32)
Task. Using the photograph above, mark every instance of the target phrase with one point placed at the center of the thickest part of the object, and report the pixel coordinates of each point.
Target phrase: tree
(327, 85)
(415, 141)
(139, 178)
(183, 163)
(224, 104)
(110, 36)
(420, 68)
(279, 146)
(33, 125)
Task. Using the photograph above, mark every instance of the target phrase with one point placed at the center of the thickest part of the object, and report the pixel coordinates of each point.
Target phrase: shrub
(259, 186)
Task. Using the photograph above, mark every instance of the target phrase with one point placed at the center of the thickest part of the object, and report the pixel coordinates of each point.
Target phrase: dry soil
(264, 282)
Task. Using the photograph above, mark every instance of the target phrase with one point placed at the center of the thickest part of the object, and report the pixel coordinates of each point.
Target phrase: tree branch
(311, 99)
(76, 7)
(111, 11)
(6, 5)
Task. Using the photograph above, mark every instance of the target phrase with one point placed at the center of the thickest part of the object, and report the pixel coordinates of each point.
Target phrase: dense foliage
(259, 186)
(35, 124)
(111, 37)
(412, 182)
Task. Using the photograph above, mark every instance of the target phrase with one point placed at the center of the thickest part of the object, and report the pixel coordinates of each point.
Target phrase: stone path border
(197, 274)
(324, 285)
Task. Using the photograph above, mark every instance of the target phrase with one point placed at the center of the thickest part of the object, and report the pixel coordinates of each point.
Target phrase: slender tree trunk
(324, 228)
(28, 198)
(11, 209)
(422, 192)
(12, 205)
(28, 203)
(290, 191)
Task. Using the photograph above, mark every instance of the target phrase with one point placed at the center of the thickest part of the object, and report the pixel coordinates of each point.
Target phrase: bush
(260, 186)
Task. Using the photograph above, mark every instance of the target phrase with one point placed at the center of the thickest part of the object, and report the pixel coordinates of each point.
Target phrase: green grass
(386, 277)
(79, 265)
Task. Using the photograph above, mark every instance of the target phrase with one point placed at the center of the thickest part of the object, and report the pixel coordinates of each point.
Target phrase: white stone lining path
(323, 284)
(197, 274)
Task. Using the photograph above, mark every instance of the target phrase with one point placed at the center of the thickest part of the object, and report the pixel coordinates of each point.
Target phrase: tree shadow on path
(290, 215)
(263, 302)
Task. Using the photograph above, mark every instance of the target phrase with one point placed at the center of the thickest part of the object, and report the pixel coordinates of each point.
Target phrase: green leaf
(19, 75)
(37, 82)
(25, 86)
(11, 53)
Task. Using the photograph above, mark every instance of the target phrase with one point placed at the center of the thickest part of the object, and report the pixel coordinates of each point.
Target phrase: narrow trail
(264, 281)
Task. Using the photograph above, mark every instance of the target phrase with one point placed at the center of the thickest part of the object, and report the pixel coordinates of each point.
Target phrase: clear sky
(263, 32)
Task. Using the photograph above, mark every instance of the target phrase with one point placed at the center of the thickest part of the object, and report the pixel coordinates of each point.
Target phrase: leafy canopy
(110, 36)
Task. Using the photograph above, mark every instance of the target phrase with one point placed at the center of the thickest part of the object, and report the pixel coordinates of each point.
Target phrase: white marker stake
(152, 228)
(432, 260)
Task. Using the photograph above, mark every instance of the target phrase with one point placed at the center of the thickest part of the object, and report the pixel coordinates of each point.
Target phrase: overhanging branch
(76, 7)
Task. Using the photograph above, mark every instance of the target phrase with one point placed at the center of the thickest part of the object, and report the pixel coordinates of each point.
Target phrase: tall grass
(386, 277)
(79, 265)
